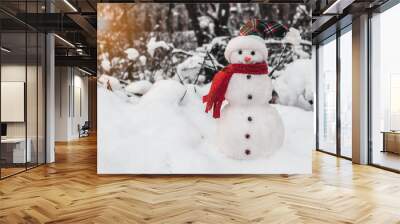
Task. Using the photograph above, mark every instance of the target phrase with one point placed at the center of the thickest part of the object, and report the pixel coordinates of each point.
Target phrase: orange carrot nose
(247, 58)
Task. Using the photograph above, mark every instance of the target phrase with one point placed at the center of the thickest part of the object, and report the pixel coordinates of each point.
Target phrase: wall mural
(205, 88)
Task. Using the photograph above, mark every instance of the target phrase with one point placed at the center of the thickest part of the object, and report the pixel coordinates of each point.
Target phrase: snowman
(248, 127)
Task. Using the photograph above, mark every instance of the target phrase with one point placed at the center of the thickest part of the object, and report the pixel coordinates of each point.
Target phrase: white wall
(62, 82)
(13, 101)
(34, 125)
(80, 104)
(71, 94)
(12, 73)
(16, 73)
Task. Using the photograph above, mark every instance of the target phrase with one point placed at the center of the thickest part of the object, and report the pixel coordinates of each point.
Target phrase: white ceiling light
(84, 71)
(5, 50)
(65, 41)
(70, 5)
(337, 7)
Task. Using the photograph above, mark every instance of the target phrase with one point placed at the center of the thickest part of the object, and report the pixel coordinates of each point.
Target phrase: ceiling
(74, 22)
(331, 15)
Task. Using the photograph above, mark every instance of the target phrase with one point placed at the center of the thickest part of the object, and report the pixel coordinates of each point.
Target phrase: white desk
(19, 155)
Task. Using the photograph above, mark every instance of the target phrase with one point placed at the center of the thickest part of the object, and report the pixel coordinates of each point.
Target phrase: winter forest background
(140, 44)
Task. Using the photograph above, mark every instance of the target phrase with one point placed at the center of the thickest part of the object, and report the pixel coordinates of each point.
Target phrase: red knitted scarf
(220, 82)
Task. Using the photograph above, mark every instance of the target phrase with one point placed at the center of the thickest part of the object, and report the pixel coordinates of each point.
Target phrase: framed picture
(210, 88)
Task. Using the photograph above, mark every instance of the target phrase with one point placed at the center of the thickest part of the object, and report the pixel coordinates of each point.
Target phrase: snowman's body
(249, 127)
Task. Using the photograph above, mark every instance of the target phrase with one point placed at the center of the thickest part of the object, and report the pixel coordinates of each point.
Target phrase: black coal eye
(240, 52)
(253, 53)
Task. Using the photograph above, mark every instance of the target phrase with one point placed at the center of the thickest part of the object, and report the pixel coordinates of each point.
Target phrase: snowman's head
(249, 49)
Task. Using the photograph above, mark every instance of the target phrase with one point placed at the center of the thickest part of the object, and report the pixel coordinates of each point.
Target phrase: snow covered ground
(161, 134)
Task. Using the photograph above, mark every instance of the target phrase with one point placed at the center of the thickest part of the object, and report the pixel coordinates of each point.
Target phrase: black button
(249, 118)
(248, 76)
(247, 136)
(249, 97)
(247, 151)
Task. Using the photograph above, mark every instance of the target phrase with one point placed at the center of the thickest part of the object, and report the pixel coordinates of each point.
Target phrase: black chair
(84, 130)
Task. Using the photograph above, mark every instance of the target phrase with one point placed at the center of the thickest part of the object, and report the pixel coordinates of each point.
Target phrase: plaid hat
(263, 29)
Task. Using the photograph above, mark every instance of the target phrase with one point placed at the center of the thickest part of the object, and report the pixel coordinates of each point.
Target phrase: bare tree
(219, 13)
(193, 15)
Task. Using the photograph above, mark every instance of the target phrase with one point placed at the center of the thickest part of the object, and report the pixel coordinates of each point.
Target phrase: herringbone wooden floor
(70, 191)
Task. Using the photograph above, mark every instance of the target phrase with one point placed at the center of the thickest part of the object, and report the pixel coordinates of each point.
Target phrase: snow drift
(167, 132)
(295, 85)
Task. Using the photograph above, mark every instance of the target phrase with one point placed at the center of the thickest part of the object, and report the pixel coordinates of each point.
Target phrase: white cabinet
(19, 155)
